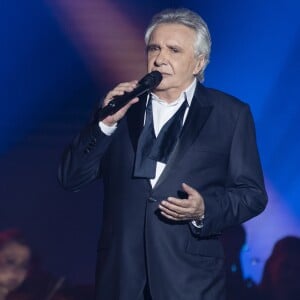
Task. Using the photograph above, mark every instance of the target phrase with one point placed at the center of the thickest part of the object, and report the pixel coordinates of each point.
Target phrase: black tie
(151, 149)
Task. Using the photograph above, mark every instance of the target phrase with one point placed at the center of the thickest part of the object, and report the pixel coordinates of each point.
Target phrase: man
(167, 200)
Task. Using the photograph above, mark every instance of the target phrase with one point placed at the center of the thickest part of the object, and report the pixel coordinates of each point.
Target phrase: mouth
(164, 74)
(9, 286)
(4, 289)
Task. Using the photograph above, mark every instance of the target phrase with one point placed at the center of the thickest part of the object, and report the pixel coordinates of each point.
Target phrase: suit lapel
(197, 116)
(135, 120)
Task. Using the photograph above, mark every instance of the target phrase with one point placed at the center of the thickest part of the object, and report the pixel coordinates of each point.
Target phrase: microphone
(146, 84)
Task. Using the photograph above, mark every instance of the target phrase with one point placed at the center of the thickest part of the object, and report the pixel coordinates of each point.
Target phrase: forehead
(15, 251)
(173, 33)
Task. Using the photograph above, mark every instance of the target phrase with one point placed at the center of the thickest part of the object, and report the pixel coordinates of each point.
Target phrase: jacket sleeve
(244, 195)
(81, 160)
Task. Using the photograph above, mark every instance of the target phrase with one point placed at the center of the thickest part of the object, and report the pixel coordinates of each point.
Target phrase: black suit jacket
(216, 154)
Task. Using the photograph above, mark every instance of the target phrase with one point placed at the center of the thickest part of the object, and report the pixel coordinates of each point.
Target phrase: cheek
(6, 278)
(2, 277)
(22, 276)
(181, 67)
(150, 61)
(19, 278)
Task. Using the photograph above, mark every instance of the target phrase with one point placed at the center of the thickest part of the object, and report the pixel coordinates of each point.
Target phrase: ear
(199, 64)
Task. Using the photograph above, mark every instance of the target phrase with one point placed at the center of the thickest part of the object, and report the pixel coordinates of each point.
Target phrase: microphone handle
(119, 101)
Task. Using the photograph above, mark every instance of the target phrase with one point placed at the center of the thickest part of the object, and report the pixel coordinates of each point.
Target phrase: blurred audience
(281, 280)
(21, 277)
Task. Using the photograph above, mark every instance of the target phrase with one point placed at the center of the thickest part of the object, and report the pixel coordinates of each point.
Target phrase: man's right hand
(119, 90)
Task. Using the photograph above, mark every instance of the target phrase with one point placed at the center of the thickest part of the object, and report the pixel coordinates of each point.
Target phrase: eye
(10, 261)
(152, 48)
(174, 49)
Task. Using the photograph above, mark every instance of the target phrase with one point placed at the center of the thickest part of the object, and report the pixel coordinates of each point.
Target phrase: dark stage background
(59, 57)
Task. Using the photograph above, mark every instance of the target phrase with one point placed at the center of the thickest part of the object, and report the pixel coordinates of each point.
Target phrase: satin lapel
(198, 114)
(135, 120)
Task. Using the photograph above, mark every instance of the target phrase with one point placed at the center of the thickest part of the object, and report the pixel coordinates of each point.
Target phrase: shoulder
(226, 108)
(219, 99)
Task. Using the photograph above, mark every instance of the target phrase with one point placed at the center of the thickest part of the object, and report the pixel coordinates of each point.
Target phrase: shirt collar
(187, 94)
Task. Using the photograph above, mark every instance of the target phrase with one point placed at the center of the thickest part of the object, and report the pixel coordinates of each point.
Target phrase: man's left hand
(177, 209)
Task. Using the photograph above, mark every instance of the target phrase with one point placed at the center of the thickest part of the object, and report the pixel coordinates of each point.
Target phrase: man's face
(171, 51)
(14, 260)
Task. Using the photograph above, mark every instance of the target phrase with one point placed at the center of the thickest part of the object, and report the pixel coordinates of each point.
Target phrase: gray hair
(192, 20)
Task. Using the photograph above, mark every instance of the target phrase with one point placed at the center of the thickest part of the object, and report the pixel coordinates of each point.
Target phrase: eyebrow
(152, 45)
(175, 46)
(169, 46)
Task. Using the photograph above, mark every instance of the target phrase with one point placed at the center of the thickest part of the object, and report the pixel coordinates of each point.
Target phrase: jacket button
(151, 199)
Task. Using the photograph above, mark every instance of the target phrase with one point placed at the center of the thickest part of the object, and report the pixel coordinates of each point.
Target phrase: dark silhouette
(281, 279)
(237, 287)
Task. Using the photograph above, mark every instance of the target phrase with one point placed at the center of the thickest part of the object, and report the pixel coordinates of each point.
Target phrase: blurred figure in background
(22, 278)
(233, 239)
(15, 257)
(281, 279)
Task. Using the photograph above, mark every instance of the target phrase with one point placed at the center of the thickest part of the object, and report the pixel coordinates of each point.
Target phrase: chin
(166, 83)
(161, 87)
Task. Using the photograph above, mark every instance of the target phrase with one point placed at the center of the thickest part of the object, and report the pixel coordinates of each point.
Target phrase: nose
(160, 59)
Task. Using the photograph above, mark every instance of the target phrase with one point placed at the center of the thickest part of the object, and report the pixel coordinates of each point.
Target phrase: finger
(111, 95)
(183, 213)
(126, 86)
(169, 217)
(120, 89)
(112, 119)
(180, 202)
(128, 83)
(175, 207)
(121, 112)
(189, 212)
(171, 213)
(132, 101)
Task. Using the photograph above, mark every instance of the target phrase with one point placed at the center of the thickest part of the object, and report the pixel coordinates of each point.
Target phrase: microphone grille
(151, 80)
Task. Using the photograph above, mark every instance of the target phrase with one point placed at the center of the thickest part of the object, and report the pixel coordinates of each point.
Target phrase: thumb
(189, 190)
